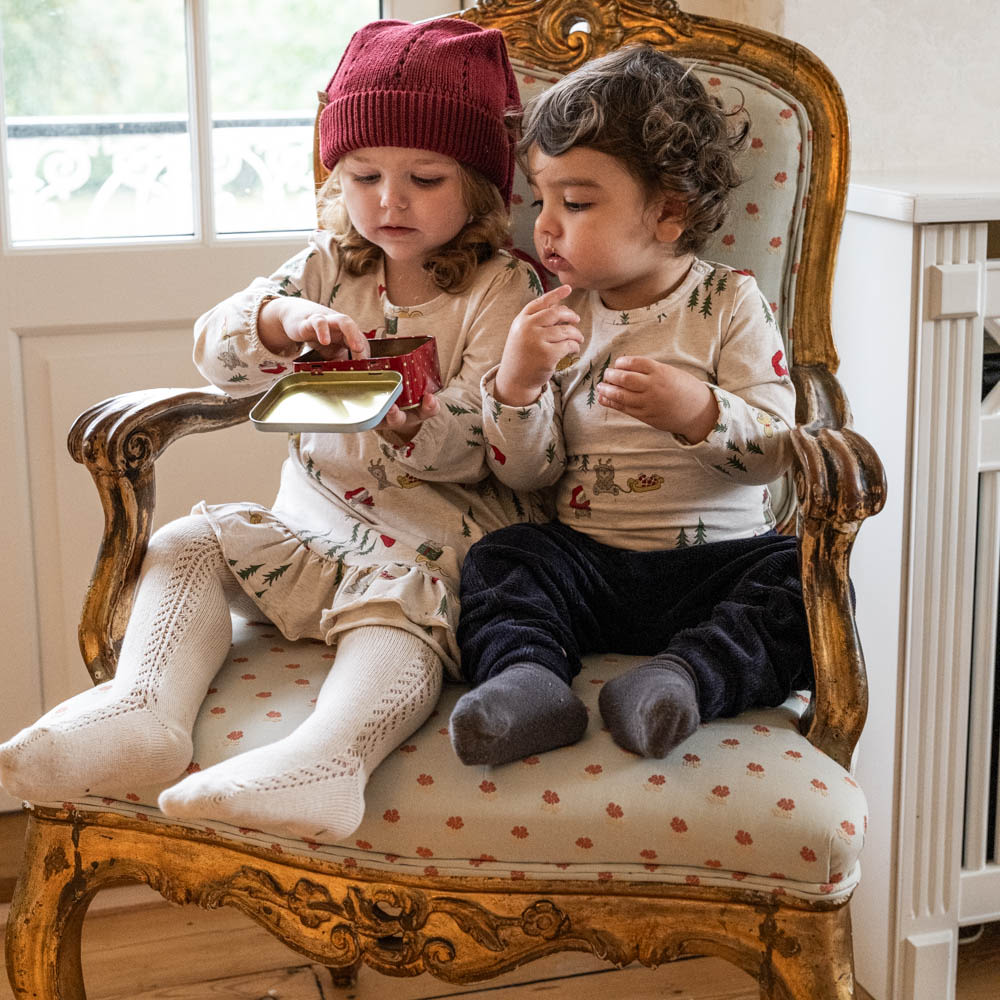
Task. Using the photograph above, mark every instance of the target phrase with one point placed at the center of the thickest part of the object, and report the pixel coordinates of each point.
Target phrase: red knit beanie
(442, 85)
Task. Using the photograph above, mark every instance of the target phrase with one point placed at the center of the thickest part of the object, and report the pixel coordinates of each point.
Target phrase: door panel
(80, 326)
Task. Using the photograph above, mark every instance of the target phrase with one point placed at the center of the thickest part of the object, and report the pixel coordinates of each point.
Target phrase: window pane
(268, 61)
(95, 94)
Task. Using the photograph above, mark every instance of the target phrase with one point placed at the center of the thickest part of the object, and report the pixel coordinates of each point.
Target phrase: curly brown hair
(451, 266)
(650, 112)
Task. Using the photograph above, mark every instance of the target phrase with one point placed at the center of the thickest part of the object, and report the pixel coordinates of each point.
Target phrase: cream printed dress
(364, 532)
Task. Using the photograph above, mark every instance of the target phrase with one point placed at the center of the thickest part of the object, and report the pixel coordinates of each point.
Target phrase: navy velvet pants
(546, 594)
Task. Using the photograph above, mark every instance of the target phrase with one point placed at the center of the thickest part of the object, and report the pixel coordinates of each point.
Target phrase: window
(112, 109)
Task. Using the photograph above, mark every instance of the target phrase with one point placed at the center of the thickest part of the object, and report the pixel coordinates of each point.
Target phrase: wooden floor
(151, 950)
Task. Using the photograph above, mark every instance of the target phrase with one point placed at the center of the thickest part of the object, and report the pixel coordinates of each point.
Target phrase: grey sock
(653, 707)
(524, 710)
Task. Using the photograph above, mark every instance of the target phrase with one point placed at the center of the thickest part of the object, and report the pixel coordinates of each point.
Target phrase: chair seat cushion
(745, 799)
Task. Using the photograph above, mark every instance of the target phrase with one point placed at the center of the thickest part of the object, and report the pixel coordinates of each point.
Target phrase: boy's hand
(287, 321)
(401, 426)
(660, 395)
(540, 337)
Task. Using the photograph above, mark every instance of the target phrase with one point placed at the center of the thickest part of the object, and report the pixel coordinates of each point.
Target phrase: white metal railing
(110, 176)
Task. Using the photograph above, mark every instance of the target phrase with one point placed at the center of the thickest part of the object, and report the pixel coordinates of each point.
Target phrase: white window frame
(200, 116)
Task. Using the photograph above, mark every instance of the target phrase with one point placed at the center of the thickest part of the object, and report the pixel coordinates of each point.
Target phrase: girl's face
(597, 228)
(408, 202)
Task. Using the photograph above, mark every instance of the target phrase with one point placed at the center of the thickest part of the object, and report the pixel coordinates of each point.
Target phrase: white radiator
(981, 842)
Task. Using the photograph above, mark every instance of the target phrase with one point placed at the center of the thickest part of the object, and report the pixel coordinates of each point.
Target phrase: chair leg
(820, 968)
(344, 977)
(46, 921)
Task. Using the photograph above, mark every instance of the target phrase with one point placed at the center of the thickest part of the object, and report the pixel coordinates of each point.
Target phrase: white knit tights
(140, 724)
(382, 686)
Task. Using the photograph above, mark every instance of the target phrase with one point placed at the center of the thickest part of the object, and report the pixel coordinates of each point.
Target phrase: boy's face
(408, 202)
(597, 228)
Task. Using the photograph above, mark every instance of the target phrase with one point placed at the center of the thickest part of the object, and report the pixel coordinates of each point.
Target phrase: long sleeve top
(627, 484)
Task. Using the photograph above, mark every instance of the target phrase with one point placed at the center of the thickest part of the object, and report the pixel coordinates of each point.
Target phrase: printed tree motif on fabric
(492, 491)
(466, 529)
(699, 532)
(287, 286)
(361, 542)
(311, 471)
(259, 574)
(768, 315)
(751, 445)
(478, 438)
(700, 300)
(534, 282)
(589, 377)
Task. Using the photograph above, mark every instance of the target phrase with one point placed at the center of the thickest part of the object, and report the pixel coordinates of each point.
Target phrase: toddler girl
(361, 548)
(651, 388)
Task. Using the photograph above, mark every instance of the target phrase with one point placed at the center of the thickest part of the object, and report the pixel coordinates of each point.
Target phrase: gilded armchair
(743, 843)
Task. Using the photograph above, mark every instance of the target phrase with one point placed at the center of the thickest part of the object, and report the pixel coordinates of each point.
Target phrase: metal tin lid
(330, 402)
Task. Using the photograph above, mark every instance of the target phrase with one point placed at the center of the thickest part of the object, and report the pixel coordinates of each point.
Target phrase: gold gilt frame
(468, 929)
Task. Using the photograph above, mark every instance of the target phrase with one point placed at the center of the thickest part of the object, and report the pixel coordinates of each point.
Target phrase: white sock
(384, 683)
(139, 725)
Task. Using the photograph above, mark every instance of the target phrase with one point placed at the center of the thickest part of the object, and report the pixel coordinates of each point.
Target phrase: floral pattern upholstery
(745, 799)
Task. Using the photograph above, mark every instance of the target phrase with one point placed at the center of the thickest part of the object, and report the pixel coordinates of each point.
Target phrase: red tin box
(415, 358)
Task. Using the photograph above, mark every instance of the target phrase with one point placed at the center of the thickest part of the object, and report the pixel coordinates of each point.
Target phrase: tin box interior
(333, 402)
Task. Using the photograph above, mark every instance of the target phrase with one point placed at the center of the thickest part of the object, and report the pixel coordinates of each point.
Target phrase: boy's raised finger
(552, 297)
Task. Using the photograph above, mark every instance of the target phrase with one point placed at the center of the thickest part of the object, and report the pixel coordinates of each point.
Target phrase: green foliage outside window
(106, 57)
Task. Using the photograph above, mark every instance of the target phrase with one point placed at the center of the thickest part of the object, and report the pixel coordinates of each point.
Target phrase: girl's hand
(285, 322)
(540, 337)
(401, 426)
(660, 395)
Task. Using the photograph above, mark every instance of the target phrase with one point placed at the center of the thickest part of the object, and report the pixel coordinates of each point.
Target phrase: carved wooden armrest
(119, 440)
(840, 481)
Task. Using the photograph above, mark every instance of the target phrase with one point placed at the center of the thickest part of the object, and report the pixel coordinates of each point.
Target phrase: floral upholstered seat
(745, 800)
